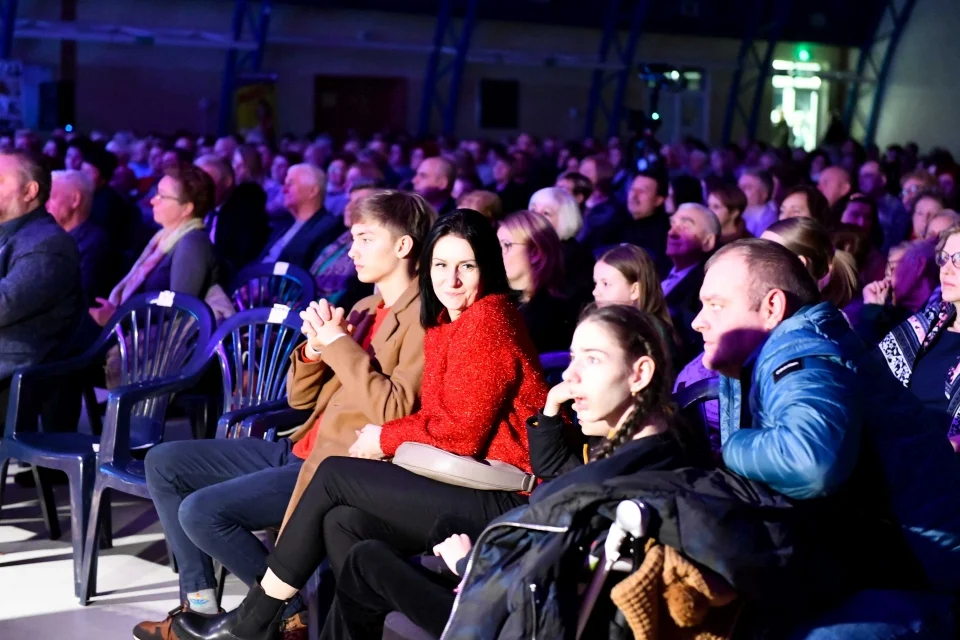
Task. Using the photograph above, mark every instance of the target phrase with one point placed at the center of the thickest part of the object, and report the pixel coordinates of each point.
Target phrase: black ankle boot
(257, 618)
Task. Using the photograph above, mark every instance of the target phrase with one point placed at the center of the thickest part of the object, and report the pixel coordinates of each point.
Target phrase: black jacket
(550, 321)
(316, 233)
(578, 267)
(239, 229)
(649, 234)
(41, 301)
(522, 576)
(683, 302)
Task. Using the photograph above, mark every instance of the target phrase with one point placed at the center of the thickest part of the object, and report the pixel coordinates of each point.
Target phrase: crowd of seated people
(819, 288)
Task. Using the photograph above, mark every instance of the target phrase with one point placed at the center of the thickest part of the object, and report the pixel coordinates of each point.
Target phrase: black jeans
(375, 580)
(350, 500)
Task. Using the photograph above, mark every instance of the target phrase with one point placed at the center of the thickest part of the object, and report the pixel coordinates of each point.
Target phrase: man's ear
(660, 200)
(774, 309)
(404, 247)
(76, 200)
(708, 242)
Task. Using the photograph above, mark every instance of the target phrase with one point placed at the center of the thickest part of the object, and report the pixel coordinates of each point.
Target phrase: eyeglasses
(909, 191)
(161, 196)
(943, 258)
(506, 245)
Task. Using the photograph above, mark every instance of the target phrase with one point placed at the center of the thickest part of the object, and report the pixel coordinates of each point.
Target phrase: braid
(640, 334)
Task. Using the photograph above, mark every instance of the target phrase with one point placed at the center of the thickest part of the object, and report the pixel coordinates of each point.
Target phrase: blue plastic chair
(253, 350)
(264, 285)
(156, 334)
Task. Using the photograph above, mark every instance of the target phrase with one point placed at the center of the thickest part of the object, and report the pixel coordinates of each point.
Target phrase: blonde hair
(542, 245)
(834, 270)
(569, 219)
(637, 266)
(484, 202)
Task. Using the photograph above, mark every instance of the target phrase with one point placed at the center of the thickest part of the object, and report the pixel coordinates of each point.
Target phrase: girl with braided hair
(619, 381)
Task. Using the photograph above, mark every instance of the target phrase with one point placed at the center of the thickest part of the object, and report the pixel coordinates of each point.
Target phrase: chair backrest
(698, 392)
(261, 286)
(554, 364)
(253, 349)
(152, 337)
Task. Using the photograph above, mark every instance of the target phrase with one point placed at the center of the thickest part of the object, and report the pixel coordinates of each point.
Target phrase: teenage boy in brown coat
(356, 368)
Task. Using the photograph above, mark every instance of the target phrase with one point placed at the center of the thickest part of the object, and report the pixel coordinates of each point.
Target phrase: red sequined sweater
(481, 381)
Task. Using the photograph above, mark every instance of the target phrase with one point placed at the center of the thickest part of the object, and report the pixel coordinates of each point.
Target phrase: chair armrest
(264, 424)
(235, 418)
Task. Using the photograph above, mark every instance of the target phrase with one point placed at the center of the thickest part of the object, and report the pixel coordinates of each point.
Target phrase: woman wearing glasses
(533, 258)
(180, 256)
(924, 352)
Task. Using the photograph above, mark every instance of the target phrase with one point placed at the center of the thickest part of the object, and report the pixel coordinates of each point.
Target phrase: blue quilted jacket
(817, 401)
(803, 404)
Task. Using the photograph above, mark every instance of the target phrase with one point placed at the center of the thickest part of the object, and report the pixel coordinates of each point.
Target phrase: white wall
(143, 87)
(923, 94)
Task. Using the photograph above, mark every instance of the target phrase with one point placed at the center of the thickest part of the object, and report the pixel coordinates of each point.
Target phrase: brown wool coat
(350, 388)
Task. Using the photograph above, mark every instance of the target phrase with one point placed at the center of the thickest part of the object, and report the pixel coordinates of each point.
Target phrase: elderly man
(313, 226)
(761, 212)
(238, 224)
(434, 181)
(70, 202)
(694, 233)
(41, 303)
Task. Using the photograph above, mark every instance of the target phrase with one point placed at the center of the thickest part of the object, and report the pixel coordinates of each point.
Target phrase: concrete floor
(134, 581)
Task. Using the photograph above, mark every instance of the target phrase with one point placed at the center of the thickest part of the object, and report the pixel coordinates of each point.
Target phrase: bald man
(694, 233)
(312, 228)
(834, 184)
(434, 181)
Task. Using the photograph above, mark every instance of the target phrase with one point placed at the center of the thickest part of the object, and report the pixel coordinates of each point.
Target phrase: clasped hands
(322, 324)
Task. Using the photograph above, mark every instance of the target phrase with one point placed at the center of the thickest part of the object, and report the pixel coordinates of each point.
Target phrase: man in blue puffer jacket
(806, 409)
(791, 360)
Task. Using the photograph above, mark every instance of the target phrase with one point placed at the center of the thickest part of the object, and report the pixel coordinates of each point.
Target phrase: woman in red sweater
(481, 380)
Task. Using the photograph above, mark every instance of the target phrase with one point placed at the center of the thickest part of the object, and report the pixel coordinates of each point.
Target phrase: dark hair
(817, 203)
(772, 266)
(660, 177)
(479, 234)
(605, 172)
(875, 232)
(104, 161)
(639, 334)
(730, 196)
(252, 160)
(403, 214)
(581, 184)
(33, 169)
(686, 189)
(196, 186)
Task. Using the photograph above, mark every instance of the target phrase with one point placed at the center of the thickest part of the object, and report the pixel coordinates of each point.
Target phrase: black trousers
(351, 500)
(375, 580)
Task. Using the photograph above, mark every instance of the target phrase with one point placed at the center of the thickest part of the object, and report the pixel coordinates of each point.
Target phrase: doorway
(795, 112)
(361, 105)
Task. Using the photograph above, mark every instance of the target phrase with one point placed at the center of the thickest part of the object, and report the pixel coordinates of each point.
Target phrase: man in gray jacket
(41, 303)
